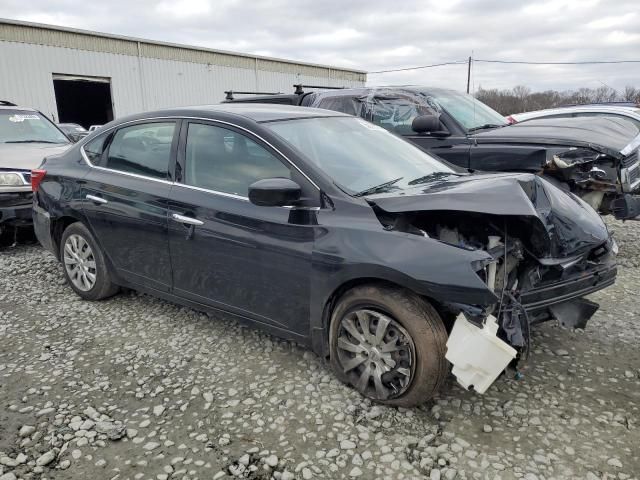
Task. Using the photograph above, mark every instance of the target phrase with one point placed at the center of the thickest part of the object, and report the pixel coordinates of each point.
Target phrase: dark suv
(595, 158)
(322, 228)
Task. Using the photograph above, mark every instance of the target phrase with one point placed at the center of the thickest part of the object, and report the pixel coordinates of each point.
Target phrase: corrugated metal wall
(162, 76)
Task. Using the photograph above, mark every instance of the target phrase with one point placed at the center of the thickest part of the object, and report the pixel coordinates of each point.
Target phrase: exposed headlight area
(14, 179)
(630, 172)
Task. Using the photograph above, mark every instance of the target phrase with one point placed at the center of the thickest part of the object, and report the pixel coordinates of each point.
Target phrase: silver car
(632, 114)
(26, 137)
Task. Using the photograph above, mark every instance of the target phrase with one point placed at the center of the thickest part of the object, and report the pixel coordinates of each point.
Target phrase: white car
(631, 114)
(93, 128)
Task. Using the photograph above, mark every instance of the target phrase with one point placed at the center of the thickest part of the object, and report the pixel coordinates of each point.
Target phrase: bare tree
(522, 99)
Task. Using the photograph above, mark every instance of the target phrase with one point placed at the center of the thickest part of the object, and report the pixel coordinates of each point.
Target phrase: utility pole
(468, 74)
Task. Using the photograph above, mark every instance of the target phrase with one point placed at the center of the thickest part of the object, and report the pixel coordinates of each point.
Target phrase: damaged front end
(546, 250)
(607, 180)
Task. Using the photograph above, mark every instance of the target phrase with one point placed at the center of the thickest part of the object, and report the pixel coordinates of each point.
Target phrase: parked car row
(323, 225)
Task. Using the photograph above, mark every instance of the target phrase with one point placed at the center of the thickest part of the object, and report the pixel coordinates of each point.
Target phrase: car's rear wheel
(84, 265)
(389, 344)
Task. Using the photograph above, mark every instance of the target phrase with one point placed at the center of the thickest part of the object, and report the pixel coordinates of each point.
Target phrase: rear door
(126, 198)
(227, 252)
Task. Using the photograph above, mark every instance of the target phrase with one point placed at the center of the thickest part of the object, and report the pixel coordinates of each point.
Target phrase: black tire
(422, 323)
(103, 286)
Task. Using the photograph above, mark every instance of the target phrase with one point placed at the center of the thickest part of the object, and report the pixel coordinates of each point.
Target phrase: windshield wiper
(486, 125)
(29, 141)
(378, 188)
(431, 176)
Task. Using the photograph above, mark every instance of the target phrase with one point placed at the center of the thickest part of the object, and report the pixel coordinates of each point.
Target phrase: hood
(604, 134)
(567, 226)
(27, 156)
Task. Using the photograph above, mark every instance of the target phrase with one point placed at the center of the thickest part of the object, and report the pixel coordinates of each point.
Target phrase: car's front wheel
(84, 264)
(389, 344)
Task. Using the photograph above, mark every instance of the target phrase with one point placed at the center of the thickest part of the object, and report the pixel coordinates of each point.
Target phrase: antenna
(609, 86)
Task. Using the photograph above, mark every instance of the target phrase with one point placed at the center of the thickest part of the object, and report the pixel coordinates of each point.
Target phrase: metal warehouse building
(90, 78)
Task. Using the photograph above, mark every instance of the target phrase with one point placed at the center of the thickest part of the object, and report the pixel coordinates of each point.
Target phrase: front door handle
(186, 220)
(95, 199)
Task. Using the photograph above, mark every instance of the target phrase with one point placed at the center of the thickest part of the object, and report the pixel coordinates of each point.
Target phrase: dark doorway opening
(83, 100)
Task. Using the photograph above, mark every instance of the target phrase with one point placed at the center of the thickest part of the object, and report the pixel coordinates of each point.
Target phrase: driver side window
(226, 161)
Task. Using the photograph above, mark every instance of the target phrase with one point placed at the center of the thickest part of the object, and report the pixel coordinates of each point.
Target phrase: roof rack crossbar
(7, 103)
(300, 88)
(229, 93)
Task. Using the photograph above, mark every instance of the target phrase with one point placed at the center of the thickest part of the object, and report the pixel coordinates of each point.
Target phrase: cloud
(375, 35)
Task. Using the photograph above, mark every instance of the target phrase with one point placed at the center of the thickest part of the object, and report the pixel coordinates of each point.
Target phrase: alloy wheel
(80, 263)
(376, 353)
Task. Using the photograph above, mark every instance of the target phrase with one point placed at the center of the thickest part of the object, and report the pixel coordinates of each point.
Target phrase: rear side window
(344, 104)
(603, 114)
(143, 149)
(226, 161)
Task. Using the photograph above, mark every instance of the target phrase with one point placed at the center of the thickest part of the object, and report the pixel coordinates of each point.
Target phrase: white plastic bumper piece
(477, 354)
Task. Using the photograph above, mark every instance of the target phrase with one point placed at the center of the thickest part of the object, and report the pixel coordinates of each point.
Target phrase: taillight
(511, 120)
(37, 176)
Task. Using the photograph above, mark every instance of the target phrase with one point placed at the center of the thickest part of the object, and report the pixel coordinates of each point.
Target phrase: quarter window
(143, 149)
(226, 161)
(95, 148)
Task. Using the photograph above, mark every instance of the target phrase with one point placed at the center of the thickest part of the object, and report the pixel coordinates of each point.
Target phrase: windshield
(20, 126)
(360, 157)
(472, 114)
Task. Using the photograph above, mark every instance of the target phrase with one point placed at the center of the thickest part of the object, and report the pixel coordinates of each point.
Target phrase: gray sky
(375, 35)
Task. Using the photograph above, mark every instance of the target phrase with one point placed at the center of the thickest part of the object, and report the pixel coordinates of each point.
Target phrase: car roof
(254, 111)
(619, 110)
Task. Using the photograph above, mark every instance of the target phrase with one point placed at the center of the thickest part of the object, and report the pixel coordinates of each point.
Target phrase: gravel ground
(134, 387)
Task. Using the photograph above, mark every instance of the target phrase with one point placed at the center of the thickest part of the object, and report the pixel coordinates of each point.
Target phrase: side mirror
(425, 124)
(274, 192)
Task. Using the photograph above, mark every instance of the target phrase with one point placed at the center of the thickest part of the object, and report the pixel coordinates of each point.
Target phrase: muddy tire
(389, 344)
(84, 265)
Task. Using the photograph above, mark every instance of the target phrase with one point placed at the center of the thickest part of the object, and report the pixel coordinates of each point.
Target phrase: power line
(457, 62)
(517, 62)
(589, 62)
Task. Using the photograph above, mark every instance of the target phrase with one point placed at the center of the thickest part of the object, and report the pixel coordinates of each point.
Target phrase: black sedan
(322, 228)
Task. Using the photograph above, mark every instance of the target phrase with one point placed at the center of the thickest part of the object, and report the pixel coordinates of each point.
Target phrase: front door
(125, 198)
(225, 251)
(452, 148)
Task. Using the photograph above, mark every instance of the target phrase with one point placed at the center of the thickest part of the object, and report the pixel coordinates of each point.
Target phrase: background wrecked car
(596, 158)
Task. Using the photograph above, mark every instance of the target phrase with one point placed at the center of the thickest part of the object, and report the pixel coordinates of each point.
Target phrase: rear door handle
(95, 199)
(186, 220)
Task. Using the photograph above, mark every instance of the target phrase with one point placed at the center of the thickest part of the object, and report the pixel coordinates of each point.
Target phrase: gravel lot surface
(134, 387)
